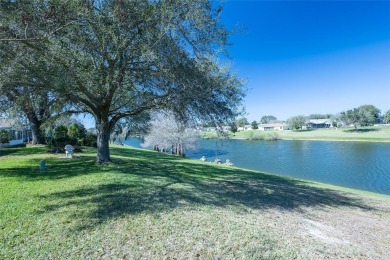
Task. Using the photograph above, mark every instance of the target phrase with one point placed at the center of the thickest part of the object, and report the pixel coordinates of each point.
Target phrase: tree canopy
(297, 122)
(387, 117)
(254, 125)
(362, 116)
(115, 59)
(320, 116)
(241, 122)
(267, 119)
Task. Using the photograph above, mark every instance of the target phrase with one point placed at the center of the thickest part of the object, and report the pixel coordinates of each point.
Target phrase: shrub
(272, 136)
(255, 136)
(62, 141)
(60, 131)
(90, 140)
(4, 137)
(267, 136)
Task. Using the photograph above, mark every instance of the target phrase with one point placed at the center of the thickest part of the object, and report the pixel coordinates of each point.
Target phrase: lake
(358, 165)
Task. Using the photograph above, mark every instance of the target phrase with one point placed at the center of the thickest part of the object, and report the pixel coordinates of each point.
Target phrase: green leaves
(362, 116)
(118, 59)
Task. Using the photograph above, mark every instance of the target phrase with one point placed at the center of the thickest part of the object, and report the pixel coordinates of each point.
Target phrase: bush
(267, 136)
(255, 136)
(60, 131)
(4, 137)
(75, 135)
(90, 140)
(62, 141)
(272, 136)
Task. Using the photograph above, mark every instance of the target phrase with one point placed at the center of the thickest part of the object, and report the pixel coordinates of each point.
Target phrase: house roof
(320, 121)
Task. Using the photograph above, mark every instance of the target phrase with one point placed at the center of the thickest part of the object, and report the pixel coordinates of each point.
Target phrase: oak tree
(117, 59)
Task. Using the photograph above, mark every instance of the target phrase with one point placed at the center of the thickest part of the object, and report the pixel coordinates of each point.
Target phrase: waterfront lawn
(151, 205)
(373, 133)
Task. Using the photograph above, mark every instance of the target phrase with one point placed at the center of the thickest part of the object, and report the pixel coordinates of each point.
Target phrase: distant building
(244, 128)
(18, 134)
(274, 126)
(319, 123)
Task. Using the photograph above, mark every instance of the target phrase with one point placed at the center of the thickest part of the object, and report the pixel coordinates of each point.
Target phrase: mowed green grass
(147, 205)
(374, 133)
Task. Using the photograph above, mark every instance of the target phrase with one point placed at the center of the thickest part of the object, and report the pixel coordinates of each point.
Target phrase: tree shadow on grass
(20, 151)
(55, 168)
(152, 183)
(361, 130)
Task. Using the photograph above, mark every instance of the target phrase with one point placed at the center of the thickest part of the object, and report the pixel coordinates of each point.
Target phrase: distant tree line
(365, 115)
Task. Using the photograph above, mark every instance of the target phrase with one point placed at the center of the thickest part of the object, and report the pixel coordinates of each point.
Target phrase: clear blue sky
(304, 57)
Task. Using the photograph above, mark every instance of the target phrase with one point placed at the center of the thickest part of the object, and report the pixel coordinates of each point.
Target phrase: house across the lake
(244, 128)
(17, 133)
(274, 126)
(319, 123)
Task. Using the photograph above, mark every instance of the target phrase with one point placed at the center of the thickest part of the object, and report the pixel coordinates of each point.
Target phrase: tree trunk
(103, 137)
(37, 136)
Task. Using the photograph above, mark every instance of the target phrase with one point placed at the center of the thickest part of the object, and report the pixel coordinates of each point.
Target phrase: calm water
(359, 165)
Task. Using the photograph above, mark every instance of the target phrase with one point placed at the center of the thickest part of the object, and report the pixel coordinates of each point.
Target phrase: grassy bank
(151, 205)
(375, 133)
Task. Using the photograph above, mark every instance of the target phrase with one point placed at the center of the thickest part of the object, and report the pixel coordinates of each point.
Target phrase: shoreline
(307, 181)
(379, 134)
(336, 140)
(300, 139)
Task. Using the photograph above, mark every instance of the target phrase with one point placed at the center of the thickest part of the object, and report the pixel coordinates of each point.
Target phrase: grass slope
(375, 133)
(150, 205)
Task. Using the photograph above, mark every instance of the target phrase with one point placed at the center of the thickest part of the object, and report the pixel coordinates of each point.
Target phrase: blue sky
(304, 57)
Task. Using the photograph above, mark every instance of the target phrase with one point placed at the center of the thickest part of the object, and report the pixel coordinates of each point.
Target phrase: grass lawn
(374, 133)
(152, 206)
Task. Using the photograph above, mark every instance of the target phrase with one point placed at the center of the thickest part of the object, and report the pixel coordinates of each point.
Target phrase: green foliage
(233, 127)
(320, 116)
(4, 137)
(254, 125)
(60, 142)
(241, 122)
(262, 135)
(76, 131)
(74, 134)
(362, 116)
(387, 117)
(267, 119)
(297, 122)
(61, 131)
(90, 140)
(368, 114)
(121, 59)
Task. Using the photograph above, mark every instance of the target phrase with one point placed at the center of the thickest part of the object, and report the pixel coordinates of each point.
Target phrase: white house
(17, 134)
(274, 126)
(244, 128)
